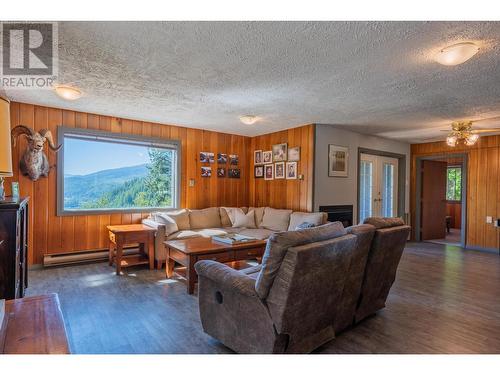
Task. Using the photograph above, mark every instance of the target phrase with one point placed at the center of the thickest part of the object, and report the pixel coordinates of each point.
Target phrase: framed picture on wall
(338, 161)
(233, 173)
(280, 152)
(221, 172)
(269, 172)
(259, 171)
(257, 157)
(221, 158)
(206, 157)
(206, 171)
(267, 157)
(294, 154)
(279, 170)
(291, 170)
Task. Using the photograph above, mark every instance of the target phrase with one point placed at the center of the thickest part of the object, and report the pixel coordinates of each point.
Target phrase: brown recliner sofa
(312, 284)
(383, 259)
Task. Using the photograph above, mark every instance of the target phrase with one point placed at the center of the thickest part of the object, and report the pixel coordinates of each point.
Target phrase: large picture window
(454, 183)
(107, 172)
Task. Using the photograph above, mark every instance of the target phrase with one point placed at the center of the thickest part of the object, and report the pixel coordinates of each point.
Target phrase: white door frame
(401, 190)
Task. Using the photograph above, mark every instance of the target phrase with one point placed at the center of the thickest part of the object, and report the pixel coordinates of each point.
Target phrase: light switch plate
(489, 219)
(191, 182)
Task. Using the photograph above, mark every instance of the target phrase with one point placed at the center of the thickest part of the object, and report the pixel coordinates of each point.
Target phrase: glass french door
(378, 186)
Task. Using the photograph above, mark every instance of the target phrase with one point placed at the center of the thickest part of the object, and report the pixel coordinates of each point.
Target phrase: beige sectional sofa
(208, 222)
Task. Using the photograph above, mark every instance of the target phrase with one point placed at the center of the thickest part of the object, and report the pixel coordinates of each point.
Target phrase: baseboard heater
(86, 256)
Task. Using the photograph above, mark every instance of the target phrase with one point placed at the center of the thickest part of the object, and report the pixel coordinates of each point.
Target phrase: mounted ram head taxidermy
(34, 162)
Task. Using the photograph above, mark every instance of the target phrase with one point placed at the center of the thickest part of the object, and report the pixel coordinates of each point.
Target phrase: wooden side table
(121, 235)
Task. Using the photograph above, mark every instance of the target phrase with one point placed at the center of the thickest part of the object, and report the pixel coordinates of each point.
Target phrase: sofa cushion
(384, 222)
(181, 218)
(297, 218)
(276, 220)
(206, 218)
(259, 214)
(224, 216)
(259, 233)
(278, 245)
(209, 232)
(167, 221)
(242, 220)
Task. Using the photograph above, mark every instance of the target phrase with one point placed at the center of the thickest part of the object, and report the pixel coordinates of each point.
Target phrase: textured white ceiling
(370, 77)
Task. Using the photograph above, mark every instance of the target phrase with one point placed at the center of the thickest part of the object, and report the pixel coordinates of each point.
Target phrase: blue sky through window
(92, 156)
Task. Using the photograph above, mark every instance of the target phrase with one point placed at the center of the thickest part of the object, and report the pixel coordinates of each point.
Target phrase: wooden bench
(34, 325)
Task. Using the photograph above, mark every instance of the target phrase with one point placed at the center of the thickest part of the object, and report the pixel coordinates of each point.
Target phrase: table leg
(111, 250)
(169, 267)
(118, 258)
(191, 275)
(151, 252)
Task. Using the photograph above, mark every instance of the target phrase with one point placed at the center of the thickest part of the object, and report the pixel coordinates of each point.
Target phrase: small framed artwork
(291, 170)
(267, 157)
(233, 159)
(206, 171)
(338, 161)
(15, 190)
(279, 170)
(257, 157)
(269, 172)
(206, 157)
(221, 158)
(280, 152)
(233, 173)
(259, 171)
(221, 172)
(294, 154)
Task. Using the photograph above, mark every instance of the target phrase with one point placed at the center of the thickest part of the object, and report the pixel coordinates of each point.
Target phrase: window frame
(461, 187)
(63, 131)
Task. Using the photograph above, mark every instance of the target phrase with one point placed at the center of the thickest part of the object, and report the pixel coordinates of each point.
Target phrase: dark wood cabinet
(13, 247)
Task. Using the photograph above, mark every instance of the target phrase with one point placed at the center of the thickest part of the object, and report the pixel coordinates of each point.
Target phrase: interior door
(378, 186)
(433, 200)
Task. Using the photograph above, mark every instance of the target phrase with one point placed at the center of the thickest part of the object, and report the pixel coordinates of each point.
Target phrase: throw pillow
(242, 220)
(168, 222)
(296, 218)
(276, 220)
(181, 218)
(205, 218)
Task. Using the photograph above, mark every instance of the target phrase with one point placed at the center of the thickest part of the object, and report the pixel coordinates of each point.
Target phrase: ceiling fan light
(456, 54)
(451, 140)
(471, 139)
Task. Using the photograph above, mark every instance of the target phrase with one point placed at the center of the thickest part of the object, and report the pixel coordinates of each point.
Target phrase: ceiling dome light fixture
(456, 54)
(249, 119)
(68, 92)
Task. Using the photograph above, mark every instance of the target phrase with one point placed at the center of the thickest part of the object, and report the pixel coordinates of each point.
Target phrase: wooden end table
(121, 235)
(188, 252)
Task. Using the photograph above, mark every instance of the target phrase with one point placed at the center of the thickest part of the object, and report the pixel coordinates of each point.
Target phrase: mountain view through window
(100, 175)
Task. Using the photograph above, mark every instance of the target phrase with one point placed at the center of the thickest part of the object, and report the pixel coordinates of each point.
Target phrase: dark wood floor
(445, 300)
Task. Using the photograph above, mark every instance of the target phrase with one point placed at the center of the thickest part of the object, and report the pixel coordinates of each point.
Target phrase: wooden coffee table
(188, 252)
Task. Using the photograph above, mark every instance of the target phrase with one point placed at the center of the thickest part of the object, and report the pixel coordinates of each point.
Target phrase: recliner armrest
(226, 277)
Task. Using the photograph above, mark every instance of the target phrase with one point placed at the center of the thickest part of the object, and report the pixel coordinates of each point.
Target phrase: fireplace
(342, 213)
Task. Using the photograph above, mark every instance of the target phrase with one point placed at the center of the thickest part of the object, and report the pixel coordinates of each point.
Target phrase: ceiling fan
(462, 132)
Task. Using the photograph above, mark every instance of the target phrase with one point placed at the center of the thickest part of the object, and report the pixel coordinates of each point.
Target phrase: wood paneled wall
(54, 234)
(483, 189)
(291, 194)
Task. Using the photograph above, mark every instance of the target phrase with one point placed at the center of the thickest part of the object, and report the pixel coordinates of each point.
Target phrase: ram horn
(21, 129)
(47, 134)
